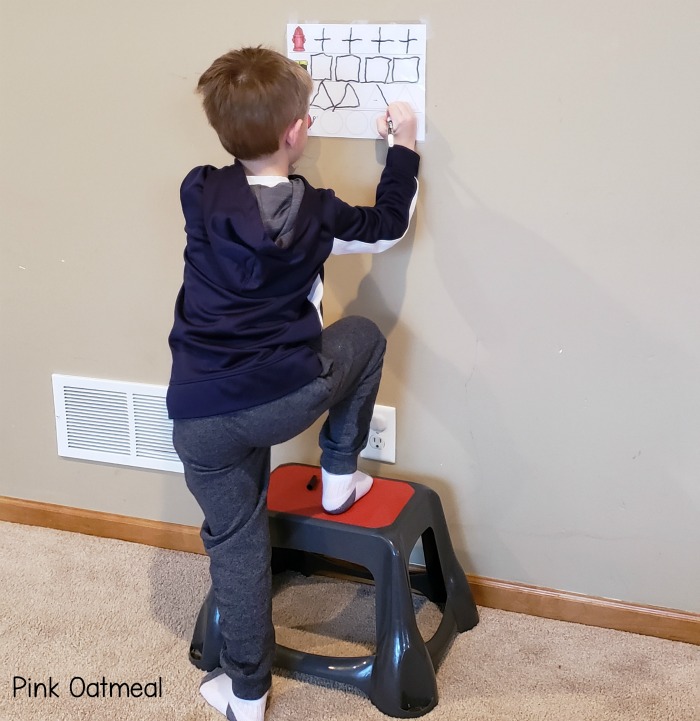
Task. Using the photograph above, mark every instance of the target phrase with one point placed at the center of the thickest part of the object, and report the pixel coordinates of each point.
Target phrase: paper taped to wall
(357, 71)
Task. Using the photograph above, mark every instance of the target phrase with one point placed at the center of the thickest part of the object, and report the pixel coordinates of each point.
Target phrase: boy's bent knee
(353, 337)
(364, 327)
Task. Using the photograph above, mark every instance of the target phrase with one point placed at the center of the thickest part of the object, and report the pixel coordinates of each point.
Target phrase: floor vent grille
(114, 422)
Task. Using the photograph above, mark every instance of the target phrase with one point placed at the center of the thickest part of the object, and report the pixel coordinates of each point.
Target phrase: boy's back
(251, 298)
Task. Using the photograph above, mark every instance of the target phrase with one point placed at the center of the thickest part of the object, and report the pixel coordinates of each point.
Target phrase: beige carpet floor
(78, 607)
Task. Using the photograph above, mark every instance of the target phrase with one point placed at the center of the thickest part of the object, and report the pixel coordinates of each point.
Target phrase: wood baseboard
(173, 536)
(589, 610)
(504, 595)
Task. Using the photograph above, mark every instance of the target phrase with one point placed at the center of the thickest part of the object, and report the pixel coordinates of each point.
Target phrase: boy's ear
(293, 131)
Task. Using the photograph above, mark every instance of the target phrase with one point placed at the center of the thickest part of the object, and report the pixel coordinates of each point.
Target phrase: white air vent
(114, 422)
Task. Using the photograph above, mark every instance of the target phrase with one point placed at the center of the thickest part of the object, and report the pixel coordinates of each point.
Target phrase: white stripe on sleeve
(345, 247)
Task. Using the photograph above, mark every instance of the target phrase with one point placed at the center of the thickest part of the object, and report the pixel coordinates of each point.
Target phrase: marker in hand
(398, 124)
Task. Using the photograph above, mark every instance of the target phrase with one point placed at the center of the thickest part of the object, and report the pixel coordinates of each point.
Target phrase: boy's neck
(275, 164)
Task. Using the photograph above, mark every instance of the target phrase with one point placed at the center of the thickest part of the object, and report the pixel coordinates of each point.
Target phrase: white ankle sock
(341, 491)
(218, 692)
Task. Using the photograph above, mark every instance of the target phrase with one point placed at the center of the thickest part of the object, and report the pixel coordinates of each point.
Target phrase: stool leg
(205, 648)
(434, 583)
(403, 678)
(460, 602)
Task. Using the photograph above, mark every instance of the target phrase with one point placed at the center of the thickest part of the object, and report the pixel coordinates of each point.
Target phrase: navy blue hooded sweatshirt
(251, 295)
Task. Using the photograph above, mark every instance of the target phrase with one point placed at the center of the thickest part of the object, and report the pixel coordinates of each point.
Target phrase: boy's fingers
(400, 108)
(400, 113)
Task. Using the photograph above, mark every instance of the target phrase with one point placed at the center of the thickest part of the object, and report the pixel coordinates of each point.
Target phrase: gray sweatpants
(227, 469)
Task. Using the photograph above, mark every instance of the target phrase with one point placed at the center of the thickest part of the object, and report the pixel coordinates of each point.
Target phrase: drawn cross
(408, 40)
(379, 41)
(350, 41)
(323, 39)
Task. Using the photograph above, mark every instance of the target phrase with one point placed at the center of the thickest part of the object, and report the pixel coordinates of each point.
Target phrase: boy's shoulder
(213, 178)
(200, 174)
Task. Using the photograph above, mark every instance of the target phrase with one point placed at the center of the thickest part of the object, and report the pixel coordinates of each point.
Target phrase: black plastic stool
(378, 533)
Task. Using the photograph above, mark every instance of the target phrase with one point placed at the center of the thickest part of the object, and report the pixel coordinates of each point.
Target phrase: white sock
(341, 491)
(218, 692)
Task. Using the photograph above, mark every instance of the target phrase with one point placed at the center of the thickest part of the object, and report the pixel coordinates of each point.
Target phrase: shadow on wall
(570, 416)
(577, 413)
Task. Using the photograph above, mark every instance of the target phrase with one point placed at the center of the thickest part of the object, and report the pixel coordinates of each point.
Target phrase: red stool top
(380, 507)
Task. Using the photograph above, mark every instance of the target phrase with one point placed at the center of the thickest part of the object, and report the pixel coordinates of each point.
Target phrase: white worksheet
(357, 71)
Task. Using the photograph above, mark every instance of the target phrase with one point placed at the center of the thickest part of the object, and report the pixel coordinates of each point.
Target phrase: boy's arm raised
(365, 229)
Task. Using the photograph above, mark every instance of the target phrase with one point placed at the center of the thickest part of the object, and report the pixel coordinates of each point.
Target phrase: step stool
(378, 533)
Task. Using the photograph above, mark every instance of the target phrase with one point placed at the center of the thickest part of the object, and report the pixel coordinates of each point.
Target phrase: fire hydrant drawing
(298, 39)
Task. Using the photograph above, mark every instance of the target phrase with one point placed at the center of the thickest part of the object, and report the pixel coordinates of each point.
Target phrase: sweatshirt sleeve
(364, 229)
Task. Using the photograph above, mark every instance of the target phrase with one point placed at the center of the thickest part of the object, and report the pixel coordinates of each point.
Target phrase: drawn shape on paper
(321, 67)
(349, 99)
(322, 39)
(377, 69)
(408, 41)
(359, 69)
(405, 70)
(382, 94)
(347, 67)
(322, 99)
(350, 40)
(379, 41)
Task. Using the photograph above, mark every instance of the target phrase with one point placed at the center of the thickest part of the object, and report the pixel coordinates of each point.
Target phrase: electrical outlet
(381, 444)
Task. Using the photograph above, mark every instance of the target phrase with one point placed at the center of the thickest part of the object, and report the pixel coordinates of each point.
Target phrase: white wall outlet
(381, 444)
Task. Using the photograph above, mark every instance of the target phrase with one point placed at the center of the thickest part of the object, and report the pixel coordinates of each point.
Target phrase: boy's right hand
(404, 121)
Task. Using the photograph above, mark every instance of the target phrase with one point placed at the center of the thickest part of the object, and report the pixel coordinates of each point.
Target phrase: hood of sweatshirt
(258, 237)
(279, 205)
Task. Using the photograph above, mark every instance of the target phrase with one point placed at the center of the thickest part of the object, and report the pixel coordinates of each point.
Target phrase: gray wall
(542, 317)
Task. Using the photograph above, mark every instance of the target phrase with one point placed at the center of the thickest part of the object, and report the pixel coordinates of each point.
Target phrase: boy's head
(251, 96)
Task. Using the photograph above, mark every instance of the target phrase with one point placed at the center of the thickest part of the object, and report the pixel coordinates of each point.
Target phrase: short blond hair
(251, 96)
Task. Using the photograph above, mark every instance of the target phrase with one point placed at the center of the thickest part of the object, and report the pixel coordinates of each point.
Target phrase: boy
(252, 364)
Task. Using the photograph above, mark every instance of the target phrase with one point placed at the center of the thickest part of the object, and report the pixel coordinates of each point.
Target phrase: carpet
(84, 620)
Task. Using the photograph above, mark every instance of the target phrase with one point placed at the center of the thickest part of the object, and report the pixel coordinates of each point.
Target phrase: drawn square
(405, 70)
(321, 65)
(347, 67)
(377, 69)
